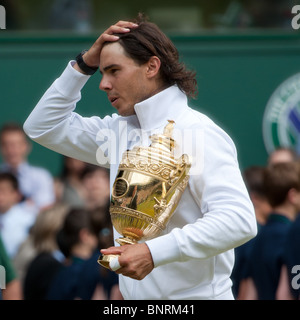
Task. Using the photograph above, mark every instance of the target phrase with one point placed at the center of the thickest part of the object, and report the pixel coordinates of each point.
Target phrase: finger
(112, 250)
(114, 264)
(121, 27)
(126, 24)
(114, 29)
(109, 37)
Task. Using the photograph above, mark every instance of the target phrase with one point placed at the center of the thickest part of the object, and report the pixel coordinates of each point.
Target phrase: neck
(167, 104)
(5, 209)
(260, 217)
(81, 251)
(14, 166)
(287, 211)
(157, 88)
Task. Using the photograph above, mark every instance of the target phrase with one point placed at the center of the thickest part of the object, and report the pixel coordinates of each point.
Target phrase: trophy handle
(105, 259)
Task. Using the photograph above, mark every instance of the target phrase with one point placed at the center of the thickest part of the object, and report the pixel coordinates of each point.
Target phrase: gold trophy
(147, 189)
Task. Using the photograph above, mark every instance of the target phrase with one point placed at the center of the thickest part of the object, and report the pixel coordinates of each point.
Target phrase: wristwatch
(83, 66)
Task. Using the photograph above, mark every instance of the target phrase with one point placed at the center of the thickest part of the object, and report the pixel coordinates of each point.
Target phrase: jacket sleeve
(54, 124)
(226, 214)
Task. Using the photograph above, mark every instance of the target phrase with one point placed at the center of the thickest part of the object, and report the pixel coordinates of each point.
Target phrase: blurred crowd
(268, 266)
(85, 16)
(52, 228)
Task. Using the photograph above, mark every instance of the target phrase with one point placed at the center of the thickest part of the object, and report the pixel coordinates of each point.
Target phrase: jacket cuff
(71, 81)
(164, 249)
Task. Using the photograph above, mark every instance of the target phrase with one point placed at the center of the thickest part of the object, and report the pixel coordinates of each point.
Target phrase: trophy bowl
(147, 189)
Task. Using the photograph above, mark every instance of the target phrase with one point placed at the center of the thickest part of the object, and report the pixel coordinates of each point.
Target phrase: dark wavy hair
(279, 178)
(147, 40)
(75, 220)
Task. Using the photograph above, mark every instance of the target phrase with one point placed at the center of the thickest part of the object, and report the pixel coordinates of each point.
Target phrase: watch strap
(83, 66)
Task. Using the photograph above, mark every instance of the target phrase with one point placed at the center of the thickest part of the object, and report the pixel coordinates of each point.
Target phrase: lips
(113, 99)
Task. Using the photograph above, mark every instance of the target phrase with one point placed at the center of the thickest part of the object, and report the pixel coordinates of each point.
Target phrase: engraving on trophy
(147, 189)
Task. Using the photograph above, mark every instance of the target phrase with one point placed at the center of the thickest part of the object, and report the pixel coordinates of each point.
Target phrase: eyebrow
(108, 67)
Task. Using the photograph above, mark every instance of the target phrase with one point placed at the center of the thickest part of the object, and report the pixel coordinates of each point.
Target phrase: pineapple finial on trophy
(168, 130)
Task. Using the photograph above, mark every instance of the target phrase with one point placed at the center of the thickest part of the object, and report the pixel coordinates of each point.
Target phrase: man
(12, 285)
(15, 221)
(146, 83)
(282, 154)
(242, 283)
(36, 184)
(282, 189)
(288, 285)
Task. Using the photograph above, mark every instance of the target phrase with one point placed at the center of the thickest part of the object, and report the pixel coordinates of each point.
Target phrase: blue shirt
(242, 261)
(267, 255)
(91, 275)
(65, 283)
(292, 253)
(15, 225)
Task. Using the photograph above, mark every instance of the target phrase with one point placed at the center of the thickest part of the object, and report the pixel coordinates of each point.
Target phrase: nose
(105, 84)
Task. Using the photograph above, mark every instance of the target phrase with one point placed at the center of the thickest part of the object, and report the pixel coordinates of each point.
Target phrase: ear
(256, 198)
(292, 195)
(153, 66)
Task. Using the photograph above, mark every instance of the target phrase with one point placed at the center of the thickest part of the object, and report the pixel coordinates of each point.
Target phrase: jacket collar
(154, 112)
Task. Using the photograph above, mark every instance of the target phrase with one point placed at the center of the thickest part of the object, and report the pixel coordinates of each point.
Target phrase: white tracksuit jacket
(194, 255)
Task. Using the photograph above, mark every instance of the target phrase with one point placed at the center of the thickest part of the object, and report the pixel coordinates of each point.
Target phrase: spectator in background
(73, 192)
(95, 180)
(289, 288)
(282, 154)
(282, 186)
(48, 259)
(77, 239)
(285, 291)
(12, 289)
(15, 221)
(94, 282)
(36, 184)
(254, 180)
(243, 285)
(23, 257)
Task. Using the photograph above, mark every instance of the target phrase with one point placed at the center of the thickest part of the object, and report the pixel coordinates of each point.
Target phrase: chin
(126, 113)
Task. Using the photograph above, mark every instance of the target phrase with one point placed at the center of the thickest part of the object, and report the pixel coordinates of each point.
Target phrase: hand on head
(92, 57)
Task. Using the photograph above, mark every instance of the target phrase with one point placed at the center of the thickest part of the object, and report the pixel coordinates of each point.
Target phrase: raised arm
(53, 122)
